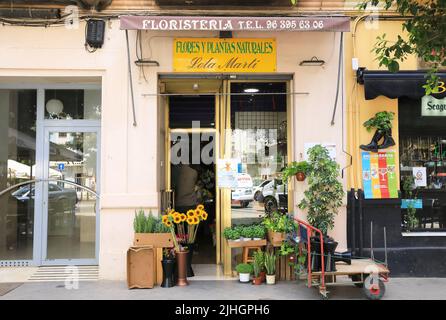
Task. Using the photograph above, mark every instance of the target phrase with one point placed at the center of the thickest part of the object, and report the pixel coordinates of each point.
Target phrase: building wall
(129, 153)
(359, 44)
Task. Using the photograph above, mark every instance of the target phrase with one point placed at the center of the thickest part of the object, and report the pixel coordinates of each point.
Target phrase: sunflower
(190, 220)
(190, 213)
(200, 207)
(197, 212)
(168, 224)
(196, 220)
(204, 215)
(183, 217)
(165, 218)
(177, 218)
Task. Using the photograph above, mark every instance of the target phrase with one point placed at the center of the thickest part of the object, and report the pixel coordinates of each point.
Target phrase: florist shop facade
(152, 120)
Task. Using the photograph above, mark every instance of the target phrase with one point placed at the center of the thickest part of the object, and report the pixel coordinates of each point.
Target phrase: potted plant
(278, 225)
(257, 267)
(231, 234)
(259, 258)
(298, 169)
(150, 230)
(408, 186)
(322, 199)
(382, 123)
(244, 271)
(270, 265)
(247, 233)
(258, 232)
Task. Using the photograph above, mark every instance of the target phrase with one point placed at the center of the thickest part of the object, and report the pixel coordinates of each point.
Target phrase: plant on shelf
(247, 232)
(408, 188)
(150, 230)
(324, 195)
(244, 270)
(258, 232)
(278, 225)
(231, 234)
(259, 259)
(298, 169)
(270, 265)
(382, 123)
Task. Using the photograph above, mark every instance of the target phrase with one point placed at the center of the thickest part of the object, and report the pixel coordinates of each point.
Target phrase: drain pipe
(130, 77)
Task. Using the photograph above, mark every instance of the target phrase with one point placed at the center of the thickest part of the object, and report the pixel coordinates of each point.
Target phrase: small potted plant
(231, 234)
(298, 169)
(247, 233)
(257, 267)
(258, 232)
(244, 271)
(270, 265)
(259, 259)
(150, 230)
(278, 225)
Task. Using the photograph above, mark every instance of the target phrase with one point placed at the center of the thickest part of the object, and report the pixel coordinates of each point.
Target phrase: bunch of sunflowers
(184, 226)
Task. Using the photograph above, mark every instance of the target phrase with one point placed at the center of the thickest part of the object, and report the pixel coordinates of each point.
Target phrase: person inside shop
(184, 181)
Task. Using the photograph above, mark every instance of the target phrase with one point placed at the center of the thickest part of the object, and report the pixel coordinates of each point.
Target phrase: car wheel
(270, 205)
(244, 204)
(257, 195)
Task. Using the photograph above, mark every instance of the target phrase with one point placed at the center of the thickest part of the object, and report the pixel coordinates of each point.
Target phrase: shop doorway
(248, 119)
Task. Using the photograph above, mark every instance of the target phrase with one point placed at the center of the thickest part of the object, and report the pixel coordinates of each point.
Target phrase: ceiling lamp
(313, 62)
(251, 90)
(54, 106)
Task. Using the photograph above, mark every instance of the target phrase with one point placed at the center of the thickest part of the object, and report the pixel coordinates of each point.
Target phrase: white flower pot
(256, 238)
(236, 240)
(244, 277)
(271, 279)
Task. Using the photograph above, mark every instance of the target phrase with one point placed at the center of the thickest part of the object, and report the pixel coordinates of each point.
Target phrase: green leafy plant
(286, 249)
(258, 231)
(381, 121)
(426, 30)
(270, 263)
(259, 260)
(148, 224)
(139, 222)
(247, 232)
(231, 233)
(278, 222)
(325, 192)
(408, 184)
(244, 268)
(293, 168)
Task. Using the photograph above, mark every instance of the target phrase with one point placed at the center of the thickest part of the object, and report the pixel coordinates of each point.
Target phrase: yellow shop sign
(224, 55)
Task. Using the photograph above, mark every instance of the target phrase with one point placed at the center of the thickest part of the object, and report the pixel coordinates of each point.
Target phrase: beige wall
(129, 153)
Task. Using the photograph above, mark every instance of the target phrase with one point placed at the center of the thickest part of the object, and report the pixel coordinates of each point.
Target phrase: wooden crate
(284, 271)
(157, 240)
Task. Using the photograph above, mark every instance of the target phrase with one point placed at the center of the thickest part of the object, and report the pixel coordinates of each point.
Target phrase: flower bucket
(244, 277)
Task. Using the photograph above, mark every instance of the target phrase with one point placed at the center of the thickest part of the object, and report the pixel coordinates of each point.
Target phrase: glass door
(70, 206)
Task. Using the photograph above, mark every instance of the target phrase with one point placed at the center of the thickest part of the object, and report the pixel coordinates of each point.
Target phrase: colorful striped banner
(378, 175)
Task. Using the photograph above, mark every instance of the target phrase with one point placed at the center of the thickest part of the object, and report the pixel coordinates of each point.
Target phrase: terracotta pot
(263, 275)
(300, 176)
(257, 280)
(181, 258)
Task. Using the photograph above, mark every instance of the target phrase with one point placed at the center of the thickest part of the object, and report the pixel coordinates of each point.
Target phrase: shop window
(423, 160)
(73, 104)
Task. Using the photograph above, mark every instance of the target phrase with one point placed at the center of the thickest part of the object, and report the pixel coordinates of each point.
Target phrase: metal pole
(130, 77)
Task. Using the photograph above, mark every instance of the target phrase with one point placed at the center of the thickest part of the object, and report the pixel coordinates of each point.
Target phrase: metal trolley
(365, 273)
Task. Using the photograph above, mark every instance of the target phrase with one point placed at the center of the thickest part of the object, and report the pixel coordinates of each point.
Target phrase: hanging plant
(381, 121)
(325, 192)
(299, 169)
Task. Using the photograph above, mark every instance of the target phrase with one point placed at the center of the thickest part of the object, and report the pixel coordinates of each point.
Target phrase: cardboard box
(157, 240)
(140, 267)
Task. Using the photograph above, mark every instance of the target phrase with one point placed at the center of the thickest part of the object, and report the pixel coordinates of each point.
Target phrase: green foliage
(278, 222)
(259, 260)
(231, 233)
(325, 192)
(381, 121)
(286, 249)
(258, 231)
(293, 168)
(148, 224)
(270, 263)
(408, 185)
(426, 30)
(244, 268)
(247, 232)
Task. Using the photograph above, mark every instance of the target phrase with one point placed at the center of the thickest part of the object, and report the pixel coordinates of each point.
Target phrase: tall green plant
(139, 222)
(408, 186)
(270, 263)
(325, 192)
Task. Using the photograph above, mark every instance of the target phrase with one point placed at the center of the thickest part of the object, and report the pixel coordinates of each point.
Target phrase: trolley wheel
(373, 290)
(357, 277)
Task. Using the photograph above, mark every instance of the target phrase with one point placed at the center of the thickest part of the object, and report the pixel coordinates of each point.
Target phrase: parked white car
(258, 191)
(274, 195)
(243, 194)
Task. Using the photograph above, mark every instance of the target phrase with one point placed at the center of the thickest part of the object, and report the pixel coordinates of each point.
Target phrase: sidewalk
(397, 288)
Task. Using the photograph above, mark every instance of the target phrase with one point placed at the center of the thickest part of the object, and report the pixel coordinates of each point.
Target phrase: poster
(378, 175)
(227, 171)
(419, 174)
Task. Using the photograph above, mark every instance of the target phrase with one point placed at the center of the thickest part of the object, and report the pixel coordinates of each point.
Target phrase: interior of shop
(423, 149)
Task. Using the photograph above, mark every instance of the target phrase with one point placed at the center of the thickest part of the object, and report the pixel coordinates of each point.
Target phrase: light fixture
(313, 62)
(251, 90)
(195, 86)
(54, 106)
